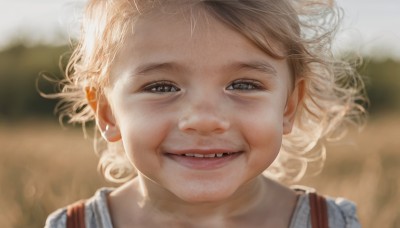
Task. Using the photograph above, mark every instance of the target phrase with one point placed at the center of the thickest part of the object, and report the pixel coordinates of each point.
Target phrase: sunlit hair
(334, 92)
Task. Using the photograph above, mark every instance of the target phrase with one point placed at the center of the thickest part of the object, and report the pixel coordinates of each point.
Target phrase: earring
(111, 133)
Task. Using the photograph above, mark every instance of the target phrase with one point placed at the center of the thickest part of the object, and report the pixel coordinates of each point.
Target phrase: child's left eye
(245, 85)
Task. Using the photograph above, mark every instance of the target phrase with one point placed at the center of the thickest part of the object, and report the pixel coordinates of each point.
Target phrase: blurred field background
(44, 166)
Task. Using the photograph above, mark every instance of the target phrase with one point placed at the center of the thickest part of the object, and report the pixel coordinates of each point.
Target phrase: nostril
(204, 124)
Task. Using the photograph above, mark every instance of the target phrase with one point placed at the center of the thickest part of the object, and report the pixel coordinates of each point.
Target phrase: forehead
(191, 37)
(194, 20)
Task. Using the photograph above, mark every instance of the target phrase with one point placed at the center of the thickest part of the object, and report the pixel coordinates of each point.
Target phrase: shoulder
(96, 212)
(342, 213)
(57, 219)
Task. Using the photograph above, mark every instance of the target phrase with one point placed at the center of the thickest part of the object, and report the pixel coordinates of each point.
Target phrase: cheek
(263, 134)
(142, 134)
(266, 135)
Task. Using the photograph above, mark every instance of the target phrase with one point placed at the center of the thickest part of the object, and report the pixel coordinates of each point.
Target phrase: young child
(214, 102)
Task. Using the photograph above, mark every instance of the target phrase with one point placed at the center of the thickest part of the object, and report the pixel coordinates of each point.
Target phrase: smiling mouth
(204, 161)
(216, 155)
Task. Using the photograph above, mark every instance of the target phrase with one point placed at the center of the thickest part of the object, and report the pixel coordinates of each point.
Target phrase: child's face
(201, 89)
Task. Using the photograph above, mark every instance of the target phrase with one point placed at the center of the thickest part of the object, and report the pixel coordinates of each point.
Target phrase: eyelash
(161, 87)
(245, 84)
(169, 87)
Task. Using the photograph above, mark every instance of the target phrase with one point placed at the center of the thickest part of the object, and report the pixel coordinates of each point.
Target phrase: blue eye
(245, 85)
(161, 87)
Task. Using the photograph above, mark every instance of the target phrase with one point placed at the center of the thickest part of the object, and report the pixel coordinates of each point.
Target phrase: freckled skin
(207, 101)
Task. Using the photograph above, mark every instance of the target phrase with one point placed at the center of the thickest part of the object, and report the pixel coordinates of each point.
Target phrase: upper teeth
(206, 155)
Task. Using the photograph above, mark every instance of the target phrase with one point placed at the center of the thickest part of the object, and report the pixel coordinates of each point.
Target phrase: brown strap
(318, 210)
(76, 215)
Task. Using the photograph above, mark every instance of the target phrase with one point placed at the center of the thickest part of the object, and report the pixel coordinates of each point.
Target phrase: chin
(204, 192)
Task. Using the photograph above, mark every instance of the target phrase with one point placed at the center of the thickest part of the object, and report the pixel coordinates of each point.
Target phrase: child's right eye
(161, 87)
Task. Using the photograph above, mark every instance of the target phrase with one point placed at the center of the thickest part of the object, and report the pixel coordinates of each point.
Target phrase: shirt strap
(318, 211)
(76, 215)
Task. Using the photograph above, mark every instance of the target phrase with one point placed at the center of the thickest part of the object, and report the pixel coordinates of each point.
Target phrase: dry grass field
(44, 167)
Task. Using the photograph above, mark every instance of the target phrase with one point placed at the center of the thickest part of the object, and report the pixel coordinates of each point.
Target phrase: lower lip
(203, 163)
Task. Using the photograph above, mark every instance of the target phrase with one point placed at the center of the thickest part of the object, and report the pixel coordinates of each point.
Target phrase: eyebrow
(261, 66)
(146, 68)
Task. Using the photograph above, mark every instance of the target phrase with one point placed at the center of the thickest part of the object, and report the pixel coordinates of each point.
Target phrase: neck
(245, 201)
(146, 204)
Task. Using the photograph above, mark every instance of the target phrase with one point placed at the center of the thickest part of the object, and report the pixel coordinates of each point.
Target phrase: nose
(204, 116)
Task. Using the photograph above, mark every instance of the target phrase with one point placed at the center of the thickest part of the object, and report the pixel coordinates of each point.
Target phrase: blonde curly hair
(334, 92)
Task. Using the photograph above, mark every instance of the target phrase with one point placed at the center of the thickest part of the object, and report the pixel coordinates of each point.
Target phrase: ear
(292, 103)
(104, 117)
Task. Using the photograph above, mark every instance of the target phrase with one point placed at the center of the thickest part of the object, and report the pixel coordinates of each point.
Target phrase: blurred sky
(370, 26)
